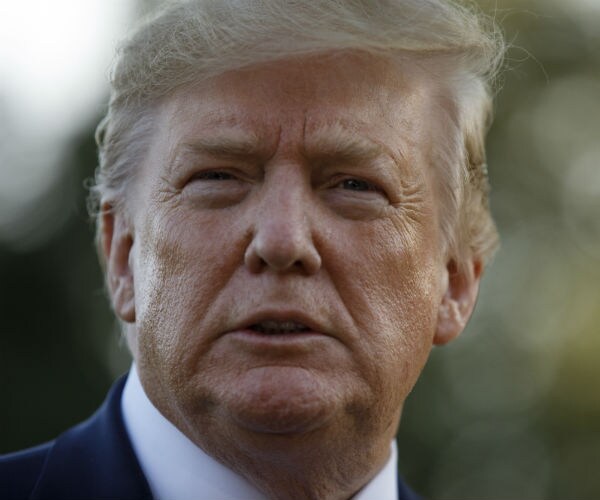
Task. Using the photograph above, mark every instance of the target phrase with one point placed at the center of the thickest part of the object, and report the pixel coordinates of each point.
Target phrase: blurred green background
(511, 410)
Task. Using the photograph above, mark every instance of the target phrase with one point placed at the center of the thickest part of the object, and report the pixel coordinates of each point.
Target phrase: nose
(282, 239)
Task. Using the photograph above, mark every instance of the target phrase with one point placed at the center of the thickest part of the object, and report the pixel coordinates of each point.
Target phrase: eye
(353, 184)
(214, 175)
(214, 189)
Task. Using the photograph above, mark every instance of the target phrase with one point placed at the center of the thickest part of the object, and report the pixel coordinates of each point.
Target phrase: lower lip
(277, 339)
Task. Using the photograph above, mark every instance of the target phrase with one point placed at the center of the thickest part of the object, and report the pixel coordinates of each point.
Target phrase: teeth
(271, 327)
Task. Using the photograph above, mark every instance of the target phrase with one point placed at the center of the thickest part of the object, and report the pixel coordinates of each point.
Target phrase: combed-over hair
(186, 42)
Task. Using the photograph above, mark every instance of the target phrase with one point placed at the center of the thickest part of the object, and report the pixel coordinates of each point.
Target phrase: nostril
(282, 248)
(253, 261)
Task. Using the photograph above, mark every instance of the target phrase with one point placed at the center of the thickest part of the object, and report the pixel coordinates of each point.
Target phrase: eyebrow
(338, 142)
(227, 145)
(223, 146)
(334, 142)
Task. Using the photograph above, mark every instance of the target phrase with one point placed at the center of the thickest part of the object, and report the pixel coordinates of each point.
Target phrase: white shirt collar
(177, 469)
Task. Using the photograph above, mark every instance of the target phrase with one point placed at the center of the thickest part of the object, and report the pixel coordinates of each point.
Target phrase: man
(292, 212)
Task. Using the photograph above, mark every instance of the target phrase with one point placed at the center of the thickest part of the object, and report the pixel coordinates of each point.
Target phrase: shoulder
(20, 471)
(92, 460)
(405, 492)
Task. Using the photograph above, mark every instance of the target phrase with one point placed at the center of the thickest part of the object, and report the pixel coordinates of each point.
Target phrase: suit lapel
(94, 459)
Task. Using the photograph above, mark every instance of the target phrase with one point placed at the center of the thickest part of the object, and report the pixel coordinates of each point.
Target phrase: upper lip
(310, 322)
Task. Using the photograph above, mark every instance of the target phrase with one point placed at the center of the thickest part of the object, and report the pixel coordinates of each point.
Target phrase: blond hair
(188, 41)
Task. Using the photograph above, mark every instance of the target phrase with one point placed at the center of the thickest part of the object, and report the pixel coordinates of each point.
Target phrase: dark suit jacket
(93, 460)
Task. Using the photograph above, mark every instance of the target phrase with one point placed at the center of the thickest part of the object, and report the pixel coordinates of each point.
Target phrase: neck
(301, 467)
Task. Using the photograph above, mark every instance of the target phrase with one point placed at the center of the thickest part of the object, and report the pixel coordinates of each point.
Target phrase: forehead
(337, 88)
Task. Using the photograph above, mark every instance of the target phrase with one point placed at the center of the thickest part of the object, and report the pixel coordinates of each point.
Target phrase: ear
(462, 286)
(116, 242)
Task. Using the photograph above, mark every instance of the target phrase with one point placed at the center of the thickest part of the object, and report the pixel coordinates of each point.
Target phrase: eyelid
(373, 186)
(203, 175)
(234, 173)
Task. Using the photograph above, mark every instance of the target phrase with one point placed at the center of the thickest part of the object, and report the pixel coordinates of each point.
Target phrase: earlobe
(117, 244)
(458, 301)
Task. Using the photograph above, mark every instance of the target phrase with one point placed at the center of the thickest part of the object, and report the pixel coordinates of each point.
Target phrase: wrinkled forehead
(354, 85)
(359, 101)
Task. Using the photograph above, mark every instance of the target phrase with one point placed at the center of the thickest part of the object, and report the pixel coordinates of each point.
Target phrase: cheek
(179, 271)
(160, 285)
(390, 286)
(389, 276)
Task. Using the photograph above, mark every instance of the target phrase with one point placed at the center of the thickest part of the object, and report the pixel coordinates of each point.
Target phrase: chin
(282, 400)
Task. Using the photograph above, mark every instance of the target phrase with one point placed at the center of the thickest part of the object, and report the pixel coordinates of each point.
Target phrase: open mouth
(278, 327)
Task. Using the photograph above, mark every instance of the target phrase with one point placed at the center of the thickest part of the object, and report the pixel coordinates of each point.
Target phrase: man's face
(285, 250)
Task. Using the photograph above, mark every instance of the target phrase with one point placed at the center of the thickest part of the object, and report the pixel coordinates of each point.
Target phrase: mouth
(267, 333)
(280, 324)
(274, 327)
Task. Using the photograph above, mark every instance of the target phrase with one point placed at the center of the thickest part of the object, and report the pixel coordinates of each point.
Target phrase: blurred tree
(512, 410)
(56, 327)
